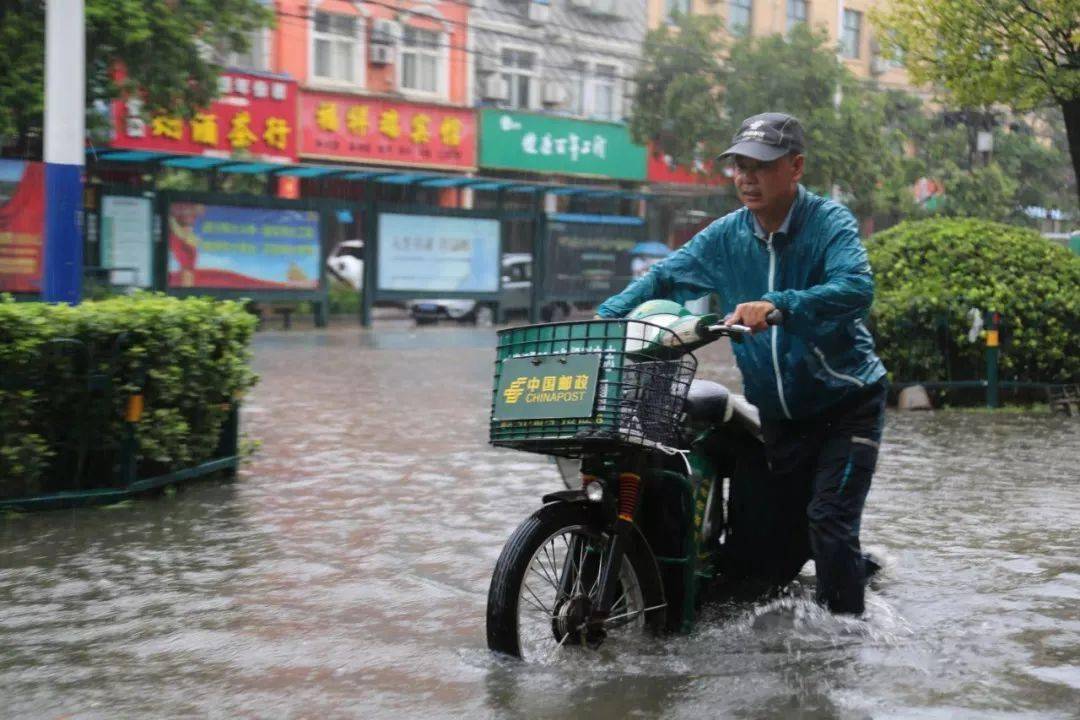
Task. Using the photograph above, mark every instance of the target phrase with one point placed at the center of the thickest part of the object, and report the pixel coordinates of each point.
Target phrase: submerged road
(344, 574)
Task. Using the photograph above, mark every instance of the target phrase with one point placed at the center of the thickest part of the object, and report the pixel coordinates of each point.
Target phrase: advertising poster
(126, 239)
(22, 225)
(222, 246)
(433, 253)
(589, 261)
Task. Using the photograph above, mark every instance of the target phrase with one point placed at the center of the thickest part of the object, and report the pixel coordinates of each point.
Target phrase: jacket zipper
(776, 330)
(841, 376)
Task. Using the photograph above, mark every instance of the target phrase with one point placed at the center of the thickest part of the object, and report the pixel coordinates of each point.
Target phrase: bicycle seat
(711, 402)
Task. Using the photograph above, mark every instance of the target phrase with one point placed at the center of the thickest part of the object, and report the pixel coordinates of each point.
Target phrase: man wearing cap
(815, 378)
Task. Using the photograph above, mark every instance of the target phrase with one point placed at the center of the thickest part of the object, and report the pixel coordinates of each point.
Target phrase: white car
(515, 296)
(346, 263)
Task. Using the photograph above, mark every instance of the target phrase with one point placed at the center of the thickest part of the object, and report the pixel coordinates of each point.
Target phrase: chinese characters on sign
(543, 143)
(253, 114)
(340, 127)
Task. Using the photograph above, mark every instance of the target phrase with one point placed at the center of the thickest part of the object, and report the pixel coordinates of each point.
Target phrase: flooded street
(345, 572)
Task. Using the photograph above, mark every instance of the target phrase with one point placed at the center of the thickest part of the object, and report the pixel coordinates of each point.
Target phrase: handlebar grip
(775, 317)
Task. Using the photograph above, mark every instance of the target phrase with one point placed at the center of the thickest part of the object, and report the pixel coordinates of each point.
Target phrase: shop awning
(387, 176)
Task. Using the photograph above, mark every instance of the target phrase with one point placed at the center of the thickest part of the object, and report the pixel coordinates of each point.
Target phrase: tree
(164, 49)
(678, 101)
(1024, 53)
(693, 91)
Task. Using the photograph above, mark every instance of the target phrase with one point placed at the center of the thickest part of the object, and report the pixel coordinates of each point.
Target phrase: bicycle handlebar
(775, 317)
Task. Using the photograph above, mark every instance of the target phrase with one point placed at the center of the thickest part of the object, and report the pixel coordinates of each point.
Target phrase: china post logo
(514, 392)
(547, 389)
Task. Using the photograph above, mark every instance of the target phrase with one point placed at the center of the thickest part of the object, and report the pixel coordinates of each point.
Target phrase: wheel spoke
(525, 586)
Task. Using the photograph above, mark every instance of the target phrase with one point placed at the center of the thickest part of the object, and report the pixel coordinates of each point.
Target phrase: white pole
(65, 108)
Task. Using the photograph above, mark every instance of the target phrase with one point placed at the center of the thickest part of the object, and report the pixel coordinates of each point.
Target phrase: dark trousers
(820, 471)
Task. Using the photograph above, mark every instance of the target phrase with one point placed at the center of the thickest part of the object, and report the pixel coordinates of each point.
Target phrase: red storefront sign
(659, 171)
(254, 114)
(345, 127)
(22, 224)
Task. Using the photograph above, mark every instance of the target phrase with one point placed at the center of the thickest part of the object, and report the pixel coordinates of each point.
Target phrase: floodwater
(344, 574)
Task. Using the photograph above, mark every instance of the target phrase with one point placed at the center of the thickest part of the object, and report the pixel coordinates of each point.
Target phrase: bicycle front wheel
(546, 586)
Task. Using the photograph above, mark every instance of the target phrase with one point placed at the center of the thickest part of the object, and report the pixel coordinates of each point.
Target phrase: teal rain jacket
(816, 272)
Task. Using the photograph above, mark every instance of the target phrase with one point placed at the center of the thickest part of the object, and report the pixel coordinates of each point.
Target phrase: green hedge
(929, 273)
(61, 415)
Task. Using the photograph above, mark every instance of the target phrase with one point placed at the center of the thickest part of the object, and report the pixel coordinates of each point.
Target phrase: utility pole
(65, 110)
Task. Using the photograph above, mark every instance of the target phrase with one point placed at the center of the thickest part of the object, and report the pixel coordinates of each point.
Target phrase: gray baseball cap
(766, 137)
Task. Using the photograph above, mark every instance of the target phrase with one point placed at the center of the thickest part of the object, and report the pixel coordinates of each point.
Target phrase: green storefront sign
(542, 143)
(553, 386)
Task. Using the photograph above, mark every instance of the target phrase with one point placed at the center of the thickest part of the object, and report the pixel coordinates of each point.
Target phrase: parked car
(346, 263)
(515, 297)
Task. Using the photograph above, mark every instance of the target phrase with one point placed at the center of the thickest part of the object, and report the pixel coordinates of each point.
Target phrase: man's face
(767, 186)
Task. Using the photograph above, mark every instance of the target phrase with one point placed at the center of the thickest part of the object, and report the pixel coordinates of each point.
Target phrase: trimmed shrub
(66, 374)
(931, 272)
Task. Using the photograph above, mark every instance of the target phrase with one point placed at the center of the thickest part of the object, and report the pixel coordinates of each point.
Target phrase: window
(336, 50)
(578, 75)
(604, 92)
(851, 39)
(519, 70)
(254, 58)
(420, 54)
(739, 12)
(796, 13)
(671, 7)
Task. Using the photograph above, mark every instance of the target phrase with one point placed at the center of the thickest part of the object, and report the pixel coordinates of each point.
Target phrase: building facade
(553, 87)
(845, 22)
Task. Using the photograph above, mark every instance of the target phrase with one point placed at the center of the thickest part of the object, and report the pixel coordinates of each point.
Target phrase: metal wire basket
(572, 388)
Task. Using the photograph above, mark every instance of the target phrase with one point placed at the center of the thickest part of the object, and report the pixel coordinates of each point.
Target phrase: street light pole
(65, 103)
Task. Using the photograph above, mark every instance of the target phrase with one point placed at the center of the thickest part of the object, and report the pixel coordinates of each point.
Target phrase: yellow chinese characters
(326, 116)
(169, 126)
(241, 135)
(357, 119)
(204, 129)
(450, 132)
(277, 132)
(390, 124)
(420, 134)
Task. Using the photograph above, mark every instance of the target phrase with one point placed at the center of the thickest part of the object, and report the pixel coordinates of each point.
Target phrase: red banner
(254, 114)
(345, 127)
(660, 171)
(22, 225)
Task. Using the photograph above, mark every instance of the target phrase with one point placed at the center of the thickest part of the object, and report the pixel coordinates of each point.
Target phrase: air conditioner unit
(879, 65)
(381, 54)
(605, 7)
(386, 32)
(538, 12)
(555, 93)
(495, 87)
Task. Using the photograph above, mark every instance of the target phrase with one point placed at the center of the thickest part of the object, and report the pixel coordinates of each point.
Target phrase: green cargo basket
(572, 388)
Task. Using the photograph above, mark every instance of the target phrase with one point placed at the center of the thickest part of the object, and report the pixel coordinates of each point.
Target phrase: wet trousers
(820, 473)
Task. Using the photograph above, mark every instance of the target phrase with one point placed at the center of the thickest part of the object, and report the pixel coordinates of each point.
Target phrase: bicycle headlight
(594, 491)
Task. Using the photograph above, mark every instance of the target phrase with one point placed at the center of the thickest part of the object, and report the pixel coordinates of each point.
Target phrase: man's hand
(751, 314)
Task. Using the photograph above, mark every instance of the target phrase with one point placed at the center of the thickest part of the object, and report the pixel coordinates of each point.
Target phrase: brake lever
(729, 330)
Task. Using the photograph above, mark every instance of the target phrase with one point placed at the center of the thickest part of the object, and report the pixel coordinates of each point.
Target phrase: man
(815, 378)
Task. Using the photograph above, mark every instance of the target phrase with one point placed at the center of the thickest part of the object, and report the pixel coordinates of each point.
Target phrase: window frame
(856, 52)
(793, 20)
(359, 54)
(590, 80)
(442, 63)
(748, 6)
(534, 76)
